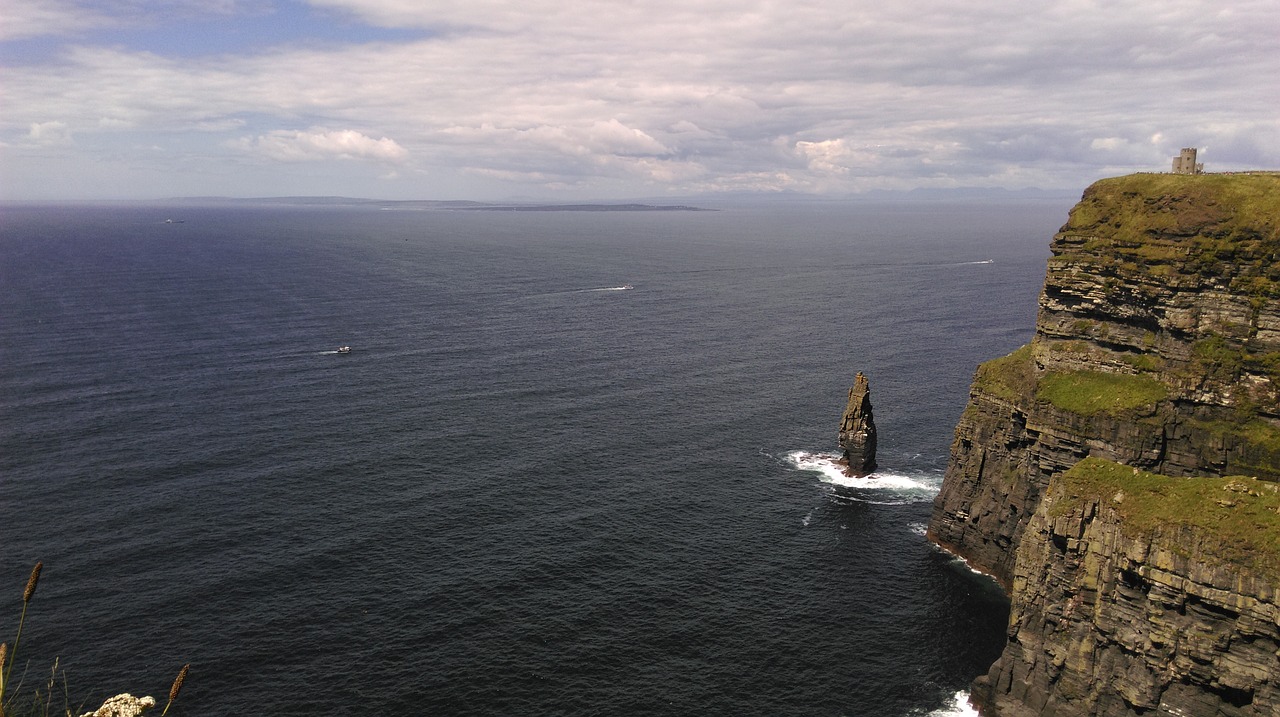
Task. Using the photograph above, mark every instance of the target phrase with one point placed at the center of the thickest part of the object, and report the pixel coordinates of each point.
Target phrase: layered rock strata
(858, 431)
(1127, 606)
(1157, 347)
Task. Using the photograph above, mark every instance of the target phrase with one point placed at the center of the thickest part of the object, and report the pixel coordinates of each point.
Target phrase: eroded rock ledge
(1127, 605)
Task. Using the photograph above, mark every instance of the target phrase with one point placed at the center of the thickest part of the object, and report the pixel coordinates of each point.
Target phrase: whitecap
(851, 498)
(821, 463)
(963, 561)
(959, 707)
(882, 487)
(920, 529)
(884, 480)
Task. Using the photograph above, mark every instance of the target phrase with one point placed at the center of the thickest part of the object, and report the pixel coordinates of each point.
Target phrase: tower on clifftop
(1185, 162)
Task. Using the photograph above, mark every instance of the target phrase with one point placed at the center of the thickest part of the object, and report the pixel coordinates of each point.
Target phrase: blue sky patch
(185, 33)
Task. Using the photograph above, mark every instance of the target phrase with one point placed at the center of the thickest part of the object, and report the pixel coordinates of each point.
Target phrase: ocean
(576, 463)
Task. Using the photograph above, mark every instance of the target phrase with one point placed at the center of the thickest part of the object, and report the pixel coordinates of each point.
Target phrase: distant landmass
(444, 205)
(587, 208)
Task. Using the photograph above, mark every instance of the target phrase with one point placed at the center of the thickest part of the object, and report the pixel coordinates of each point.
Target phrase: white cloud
(821, 95)
(42, 18)
(830, 156)
(751, 182)
(223, 124)
(34, 18)
(613, 137)
(1107, 143)
(299, 146)
(49, 133)
(608, 138)
(507, 175)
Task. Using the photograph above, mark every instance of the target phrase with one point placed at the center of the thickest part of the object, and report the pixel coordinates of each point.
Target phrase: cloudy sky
(600, 99)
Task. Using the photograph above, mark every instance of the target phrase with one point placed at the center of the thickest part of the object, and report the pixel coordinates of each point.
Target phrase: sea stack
(858, 431)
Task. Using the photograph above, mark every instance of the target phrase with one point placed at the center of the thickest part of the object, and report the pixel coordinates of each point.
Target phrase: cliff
(1157, 354)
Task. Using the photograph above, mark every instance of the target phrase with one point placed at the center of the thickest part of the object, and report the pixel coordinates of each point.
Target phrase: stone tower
(1185, 162)
(858, 431)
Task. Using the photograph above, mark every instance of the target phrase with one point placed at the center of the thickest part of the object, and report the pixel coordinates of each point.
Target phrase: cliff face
(1125, 604)
(1157, 347)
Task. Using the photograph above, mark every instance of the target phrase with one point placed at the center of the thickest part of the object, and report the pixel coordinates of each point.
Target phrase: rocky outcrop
(858, 431)
(125, 705)
(1157, 347)
(1175, 276)
(1113, 618)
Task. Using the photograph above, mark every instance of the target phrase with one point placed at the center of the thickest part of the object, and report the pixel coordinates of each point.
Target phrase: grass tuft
(1087, 393)
(39, 704)
(1238, 517)
(176, 688)
(1168, 226)
(1012, 377)
(32, 581)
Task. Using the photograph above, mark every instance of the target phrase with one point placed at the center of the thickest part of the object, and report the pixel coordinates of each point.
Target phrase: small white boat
(344, 349)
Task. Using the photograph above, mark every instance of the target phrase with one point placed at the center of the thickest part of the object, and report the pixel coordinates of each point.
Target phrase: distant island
(442, 205)
(586, 208)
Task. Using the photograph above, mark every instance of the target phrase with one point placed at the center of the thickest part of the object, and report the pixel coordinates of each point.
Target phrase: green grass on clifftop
(1089, 392)
(1241, 516)
(1171, 224)
(1012, 377)
(1138, 206)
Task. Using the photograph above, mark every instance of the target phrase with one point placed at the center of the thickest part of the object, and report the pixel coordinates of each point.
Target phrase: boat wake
(884, 487)
(571, 292)
(971, 263)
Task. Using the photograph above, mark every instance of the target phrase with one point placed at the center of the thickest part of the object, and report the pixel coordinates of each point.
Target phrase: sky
(607, 99)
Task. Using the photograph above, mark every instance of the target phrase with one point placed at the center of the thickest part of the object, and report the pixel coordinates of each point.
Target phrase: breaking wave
(964, 562)
(883, 487)
(959, 707)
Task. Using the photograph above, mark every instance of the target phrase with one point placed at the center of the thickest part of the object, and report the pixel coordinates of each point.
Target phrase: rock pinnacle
(858, 431)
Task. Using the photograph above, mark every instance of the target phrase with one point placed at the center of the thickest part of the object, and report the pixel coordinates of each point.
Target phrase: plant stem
(8, 672)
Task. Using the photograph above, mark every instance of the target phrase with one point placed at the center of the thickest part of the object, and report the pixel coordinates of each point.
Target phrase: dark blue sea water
(527, 490)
